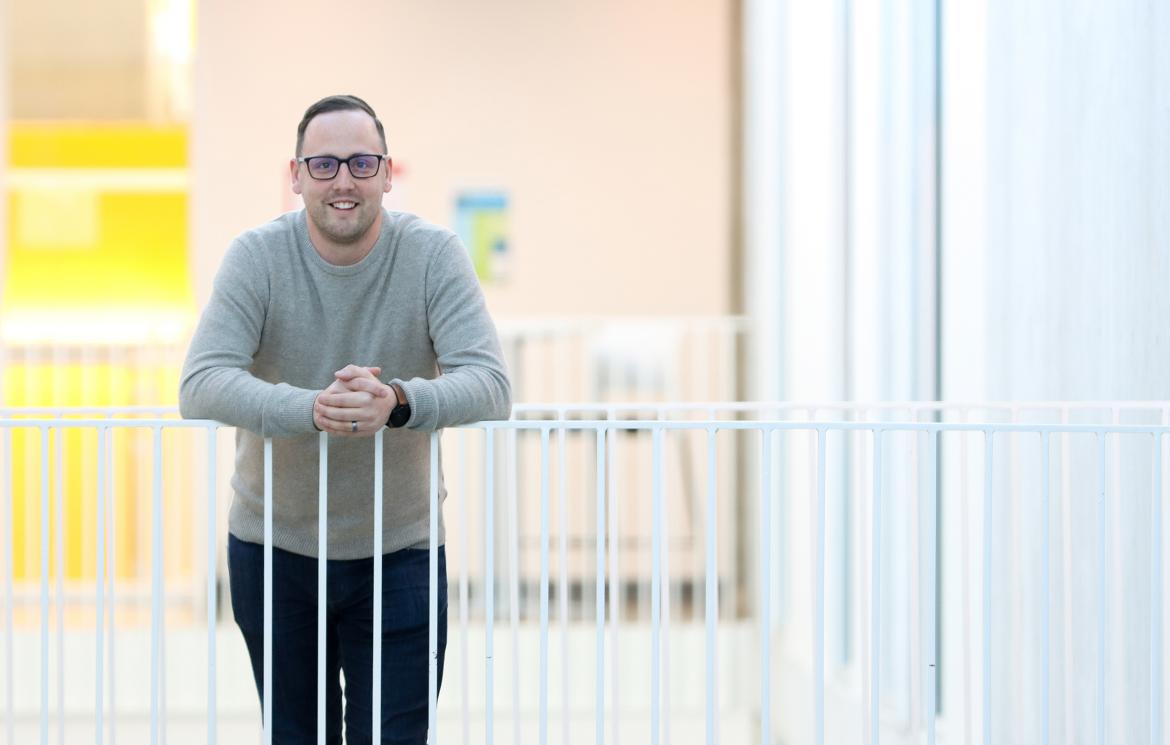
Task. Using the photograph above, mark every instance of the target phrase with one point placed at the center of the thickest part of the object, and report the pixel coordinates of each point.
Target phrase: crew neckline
(381, 246)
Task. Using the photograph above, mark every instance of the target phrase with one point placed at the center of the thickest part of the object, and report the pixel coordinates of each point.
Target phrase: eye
(322, 165)
(363, 163)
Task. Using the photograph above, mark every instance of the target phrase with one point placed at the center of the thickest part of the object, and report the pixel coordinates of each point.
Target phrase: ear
(389, 175)
(294, 173)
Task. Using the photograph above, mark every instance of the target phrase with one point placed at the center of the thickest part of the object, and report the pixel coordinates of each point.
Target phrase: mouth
(343, 206)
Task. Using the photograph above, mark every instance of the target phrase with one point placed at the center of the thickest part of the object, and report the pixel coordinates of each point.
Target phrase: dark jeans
(349, 621)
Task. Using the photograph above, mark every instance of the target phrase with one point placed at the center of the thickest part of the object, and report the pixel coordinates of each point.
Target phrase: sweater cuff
(420, 394)
(295, 415)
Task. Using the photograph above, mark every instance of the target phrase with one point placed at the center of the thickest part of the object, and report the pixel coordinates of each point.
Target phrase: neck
(345, 254)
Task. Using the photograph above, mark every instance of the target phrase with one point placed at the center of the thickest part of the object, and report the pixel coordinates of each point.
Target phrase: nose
(343, 178)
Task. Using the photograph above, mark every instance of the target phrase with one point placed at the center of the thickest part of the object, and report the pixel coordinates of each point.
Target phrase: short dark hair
(337, 103)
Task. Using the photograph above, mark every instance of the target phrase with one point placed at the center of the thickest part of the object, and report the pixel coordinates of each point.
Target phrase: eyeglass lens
(360, 166)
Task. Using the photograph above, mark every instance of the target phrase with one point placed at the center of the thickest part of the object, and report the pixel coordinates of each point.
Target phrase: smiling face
(345, 213)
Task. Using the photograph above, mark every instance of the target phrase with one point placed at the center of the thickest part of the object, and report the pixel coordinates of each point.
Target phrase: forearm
(468, 394)
(234, 396)
(218, 381)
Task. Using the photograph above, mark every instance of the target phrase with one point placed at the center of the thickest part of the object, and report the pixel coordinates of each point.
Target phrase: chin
(347, 234)
(341, 230)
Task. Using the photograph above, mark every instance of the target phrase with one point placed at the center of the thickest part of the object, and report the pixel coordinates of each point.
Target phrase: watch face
(400, 415)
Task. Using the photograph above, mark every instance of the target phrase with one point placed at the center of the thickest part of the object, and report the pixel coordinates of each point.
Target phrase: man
(347, 319)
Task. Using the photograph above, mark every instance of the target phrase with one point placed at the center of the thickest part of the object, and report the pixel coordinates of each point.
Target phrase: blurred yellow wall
(97, 234)
(95, 307)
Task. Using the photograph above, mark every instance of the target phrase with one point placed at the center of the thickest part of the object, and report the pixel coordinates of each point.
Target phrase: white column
(964, 321)
(764, 208)
(1078, 154)
(763, 194)
(964, 191)
(1077, 214)
(813, 285)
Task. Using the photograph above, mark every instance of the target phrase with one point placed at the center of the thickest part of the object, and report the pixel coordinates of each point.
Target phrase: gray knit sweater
(281, 320)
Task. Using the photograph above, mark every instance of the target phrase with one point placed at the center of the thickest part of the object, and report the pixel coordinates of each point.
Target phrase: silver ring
(353, 426)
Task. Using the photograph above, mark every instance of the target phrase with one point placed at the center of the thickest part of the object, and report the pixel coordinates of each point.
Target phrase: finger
(345, 428)
(347, 372)
(345, 414)
(340, 419)
(354, 371)
(341, 427)
(340, 413)
(337, 386)
(374, 388)
(331, 426)
(348, 398)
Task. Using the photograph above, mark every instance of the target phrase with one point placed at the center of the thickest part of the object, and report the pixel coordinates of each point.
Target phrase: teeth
(344, 205)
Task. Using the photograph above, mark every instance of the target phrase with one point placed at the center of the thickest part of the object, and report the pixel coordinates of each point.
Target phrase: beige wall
(608, 124)
(77, 61)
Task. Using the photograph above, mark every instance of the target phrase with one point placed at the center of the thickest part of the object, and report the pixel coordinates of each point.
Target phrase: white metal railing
(885, 469)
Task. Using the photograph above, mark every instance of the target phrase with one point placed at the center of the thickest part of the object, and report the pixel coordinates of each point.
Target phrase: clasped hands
(355, 396)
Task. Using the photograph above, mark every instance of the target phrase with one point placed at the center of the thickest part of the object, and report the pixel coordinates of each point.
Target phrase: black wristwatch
(400, 414)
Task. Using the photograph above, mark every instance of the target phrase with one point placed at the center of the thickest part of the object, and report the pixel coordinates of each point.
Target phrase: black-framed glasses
(325, 167)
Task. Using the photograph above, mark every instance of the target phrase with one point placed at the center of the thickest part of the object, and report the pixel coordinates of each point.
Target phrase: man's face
(346, 212)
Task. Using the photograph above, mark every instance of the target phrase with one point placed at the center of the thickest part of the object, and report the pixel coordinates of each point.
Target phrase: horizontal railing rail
(530, 407)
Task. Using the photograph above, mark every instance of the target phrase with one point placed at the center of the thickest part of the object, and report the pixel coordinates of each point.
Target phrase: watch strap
(400, 414)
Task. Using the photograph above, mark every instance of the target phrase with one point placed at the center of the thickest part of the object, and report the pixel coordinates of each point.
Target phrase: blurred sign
(481, 220)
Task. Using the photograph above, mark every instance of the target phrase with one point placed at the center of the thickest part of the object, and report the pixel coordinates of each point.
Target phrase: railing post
(664, 584)
(1046, 589)
(433, 662)
(111, 580)
(655, 583)
(563, 583)
(875, 591)
(712, 593)
(599, 621)
(9, 570)
(967, 589)
(1102, 586)
(58, 490)
(765, 587)
(44, 430)
(212, 611)
(514, 577)
(818, 590)
(615, 598)
(1156, 619)
(1068, 684)
(544, 507)
(99, 581)
(930, 669)
(489, 580)
(464, 589)
(376, 629)
(158, 608)
(322, 579)
(267, 662)
(988, 490)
